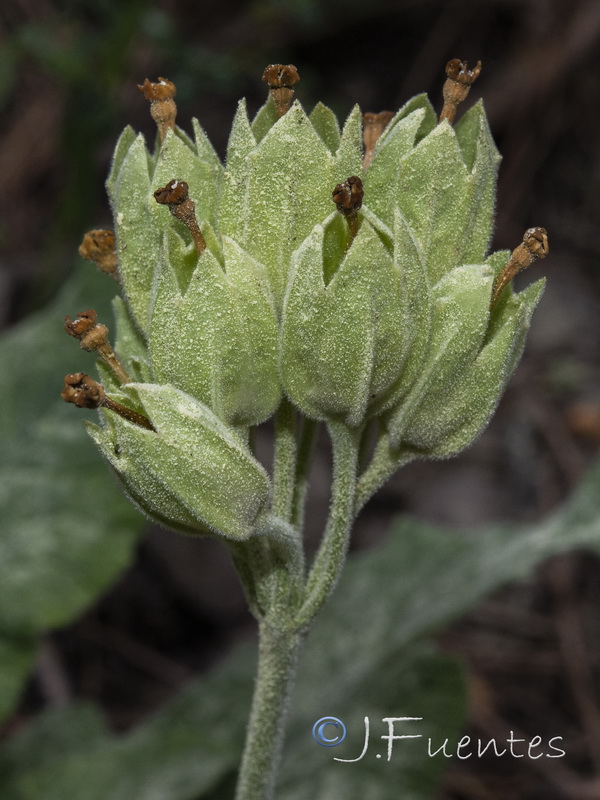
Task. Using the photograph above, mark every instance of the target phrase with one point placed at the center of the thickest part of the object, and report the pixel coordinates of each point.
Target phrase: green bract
(393, 324)
(190, 455)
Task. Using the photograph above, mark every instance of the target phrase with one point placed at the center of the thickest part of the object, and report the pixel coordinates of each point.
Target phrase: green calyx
(191, 472)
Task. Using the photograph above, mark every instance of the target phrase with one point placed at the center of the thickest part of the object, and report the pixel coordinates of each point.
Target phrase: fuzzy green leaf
(126, 139)
(283, 190)
(182, 330)
(146, 489)
(205, 150)
(264, 119)
(249, 389)
(381, 178)
(417, 303)
(137, 232)
(459, 322)
(342, 343)
(386, 296)
(482, 159)
(326, 351)
(326, 125)
(232, 203)
(447, 422)
(177, 161)
(129, 343)
(348, 158)
(432, 191)
(527, 300)
(420, 101)
(217, 340)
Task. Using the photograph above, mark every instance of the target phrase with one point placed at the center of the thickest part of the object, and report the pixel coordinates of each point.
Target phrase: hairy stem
(284, 462)
(255, 563)
(383, 465)
(277, 658)
(306, 448)
(287, 562)
(273, 578)
(331, 555)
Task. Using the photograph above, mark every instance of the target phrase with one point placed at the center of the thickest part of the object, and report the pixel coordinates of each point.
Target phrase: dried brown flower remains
(99, 246)
(280, 78)
(85, 392)
(92, 336)
(457, 86)
(534, 245)
(162, 106)
(348, 197)
(175, 196)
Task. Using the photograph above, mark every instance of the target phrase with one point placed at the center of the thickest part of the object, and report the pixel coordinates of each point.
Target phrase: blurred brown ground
(67, 86)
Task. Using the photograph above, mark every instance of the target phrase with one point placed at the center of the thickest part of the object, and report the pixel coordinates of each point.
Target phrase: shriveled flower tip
(83, 391)
(173, 194)
(163, 90)
(534, 245)
(459, 71)
(348, 196)
(280, 76)
(97, 244)
(377, 120)
(373, 126)
(536, 241)
(82, 324)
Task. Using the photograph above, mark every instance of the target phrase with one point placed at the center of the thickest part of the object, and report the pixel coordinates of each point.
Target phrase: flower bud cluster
(255, 288)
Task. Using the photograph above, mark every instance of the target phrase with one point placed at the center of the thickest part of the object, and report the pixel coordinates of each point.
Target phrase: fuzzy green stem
(331, 555)
(270, 566)
(284, 462)
(287, 565)
(383, 465)
(253, 561)
(306, 449)
(286, 577)
(277, 658)
(280, 633)
(371, 431)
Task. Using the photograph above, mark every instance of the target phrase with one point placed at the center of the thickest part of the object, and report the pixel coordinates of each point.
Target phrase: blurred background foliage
(68, 75)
